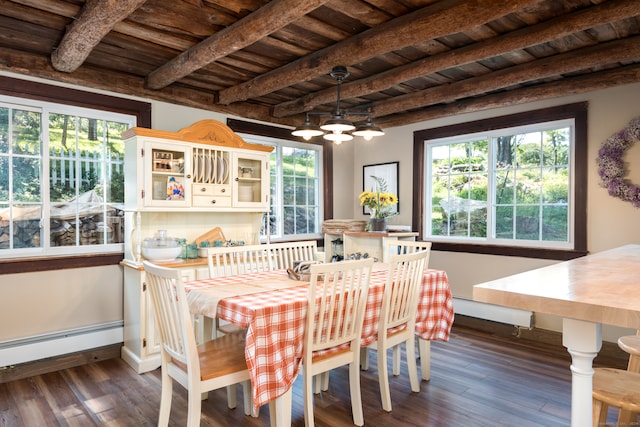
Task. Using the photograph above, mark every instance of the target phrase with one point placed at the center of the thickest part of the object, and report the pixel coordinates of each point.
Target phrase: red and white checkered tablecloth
(275, 322)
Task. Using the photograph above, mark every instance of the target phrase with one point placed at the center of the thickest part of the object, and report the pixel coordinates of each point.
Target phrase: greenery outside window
(295, 194)
(509, 182)
(77, 208)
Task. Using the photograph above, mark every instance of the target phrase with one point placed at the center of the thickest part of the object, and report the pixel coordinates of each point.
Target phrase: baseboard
(24, 350)
(495, 313)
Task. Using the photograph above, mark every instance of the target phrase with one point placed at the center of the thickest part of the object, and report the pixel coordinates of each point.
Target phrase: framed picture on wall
(385, 171)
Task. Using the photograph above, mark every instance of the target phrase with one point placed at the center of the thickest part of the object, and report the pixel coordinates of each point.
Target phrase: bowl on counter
(161, 254)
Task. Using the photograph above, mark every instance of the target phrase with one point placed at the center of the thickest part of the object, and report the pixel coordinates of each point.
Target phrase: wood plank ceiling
(410, 60)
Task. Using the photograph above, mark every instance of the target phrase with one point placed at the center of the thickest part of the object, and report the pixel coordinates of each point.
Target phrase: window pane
(288, 190)
(4, 130)
(528, 186)
(527, 223)
(528, 152)
(289, 220)
(26, 132)
(505, 186)
(556, 146)
(555, 220)
(459, 189)
(504, 222)
(555, 185)
(63, 225)
(25, 220)
(4, 178)
(26, 179)
(5, 221)
(115, 166)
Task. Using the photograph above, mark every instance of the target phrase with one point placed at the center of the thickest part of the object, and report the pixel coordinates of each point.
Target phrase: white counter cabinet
(354, 242)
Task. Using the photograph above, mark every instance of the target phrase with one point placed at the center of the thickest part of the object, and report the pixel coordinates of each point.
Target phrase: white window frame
(45, 108)
(279, 208)
(491, 205)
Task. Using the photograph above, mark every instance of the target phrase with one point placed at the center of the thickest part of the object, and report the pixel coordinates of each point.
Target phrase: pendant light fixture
(338, 129)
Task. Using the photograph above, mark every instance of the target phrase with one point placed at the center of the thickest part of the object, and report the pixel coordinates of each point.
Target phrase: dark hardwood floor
(477, 379)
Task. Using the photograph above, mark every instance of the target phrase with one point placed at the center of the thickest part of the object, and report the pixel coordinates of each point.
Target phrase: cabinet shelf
(370, 242)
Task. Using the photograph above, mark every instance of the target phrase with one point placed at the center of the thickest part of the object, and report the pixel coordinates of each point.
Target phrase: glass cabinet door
(167, 175)
(250, 180)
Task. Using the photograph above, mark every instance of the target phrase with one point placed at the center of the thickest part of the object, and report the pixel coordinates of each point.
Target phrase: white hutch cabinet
(187, 183)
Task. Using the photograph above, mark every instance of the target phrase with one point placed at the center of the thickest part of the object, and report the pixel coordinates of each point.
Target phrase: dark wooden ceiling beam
(266, 20)
(430, 22)
(576, 60)
(603, 13)
(566, 87)
(129, 28)
(97, 19)
(35, 65)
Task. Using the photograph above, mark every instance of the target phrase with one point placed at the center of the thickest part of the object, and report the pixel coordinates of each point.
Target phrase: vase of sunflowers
(380, 203)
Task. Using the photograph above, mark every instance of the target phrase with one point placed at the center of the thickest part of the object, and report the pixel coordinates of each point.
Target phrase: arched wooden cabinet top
(210, 132)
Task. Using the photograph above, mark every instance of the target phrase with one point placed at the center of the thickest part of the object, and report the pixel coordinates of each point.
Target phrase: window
(507, 182)
(295, 177)
(61, 179)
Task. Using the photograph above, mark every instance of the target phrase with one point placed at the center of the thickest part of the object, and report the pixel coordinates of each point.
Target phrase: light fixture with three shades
(338, 129)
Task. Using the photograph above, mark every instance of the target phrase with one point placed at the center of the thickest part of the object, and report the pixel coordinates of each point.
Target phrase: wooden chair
(284, 254)
(397, 324)
(337, 301)
(398, 247)
(233, 260)
(618, 388)
(631, 345)
(198, 368)
(401, 247)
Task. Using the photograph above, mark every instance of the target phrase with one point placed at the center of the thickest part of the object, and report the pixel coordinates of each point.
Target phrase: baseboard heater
(23, 350)
(494, 313)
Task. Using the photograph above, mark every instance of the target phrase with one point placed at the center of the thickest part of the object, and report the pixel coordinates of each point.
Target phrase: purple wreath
(611, 164)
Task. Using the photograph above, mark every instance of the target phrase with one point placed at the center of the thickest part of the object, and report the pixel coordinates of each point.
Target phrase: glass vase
(378, 224)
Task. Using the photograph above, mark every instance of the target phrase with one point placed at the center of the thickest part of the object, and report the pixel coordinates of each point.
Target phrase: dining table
(272, 307)
(587, 292)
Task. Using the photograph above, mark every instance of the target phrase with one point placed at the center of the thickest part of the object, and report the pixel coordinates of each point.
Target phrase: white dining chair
(397, 323)
(397, 247)
(335, 313)
(198, 368)
(284, 254)
(233, 260)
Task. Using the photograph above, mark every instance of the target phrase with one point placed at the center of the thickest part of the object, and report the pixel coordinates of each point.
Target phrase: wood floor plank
(477, 379)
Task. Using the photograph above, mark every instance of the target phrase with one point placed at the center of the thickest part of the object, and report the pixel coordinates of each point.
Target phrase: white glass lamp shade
(307, 131)
(368, 130)
(338, 138)
(337, 124)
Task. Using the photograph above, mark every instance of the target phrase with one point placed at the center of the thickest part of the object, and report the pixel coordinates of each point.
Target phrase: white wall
(610, 221)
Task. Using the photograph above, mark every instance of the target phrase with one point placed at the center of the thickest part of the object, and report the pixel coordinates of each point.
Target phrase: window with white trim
(61, 179)
(506, 186)
(509, 185)
(295, 195)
